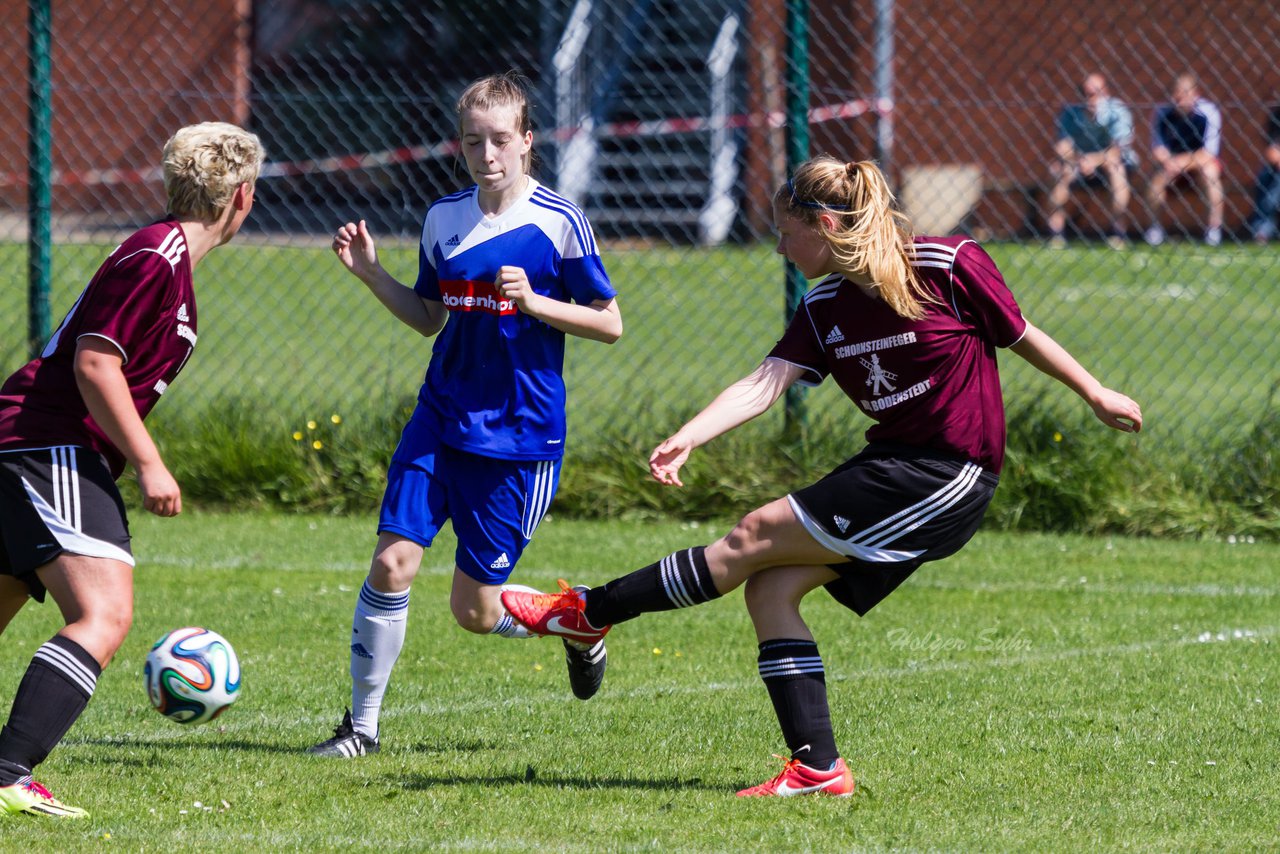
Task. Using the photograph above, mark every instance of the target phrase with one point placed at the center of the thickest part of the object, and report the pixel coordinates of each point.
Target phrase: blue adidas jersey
(495, 383)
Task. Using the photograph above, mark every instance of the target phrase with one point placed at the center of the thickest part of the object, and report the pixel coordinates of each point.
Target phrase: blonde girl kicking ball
(908, 327)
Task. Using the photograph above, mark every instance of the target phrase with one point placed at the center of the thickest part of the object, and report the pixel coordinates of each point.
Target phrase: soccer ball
(192, 675)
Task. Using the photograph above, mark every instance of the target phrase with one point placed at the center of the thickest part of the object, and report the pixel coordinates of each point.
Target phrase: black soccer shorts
(891, 509)
(55, 501)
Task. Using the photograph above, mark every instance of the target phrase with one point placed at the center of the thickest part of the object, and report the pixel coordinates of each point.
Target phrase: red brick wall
(982, 83)
(125, 76)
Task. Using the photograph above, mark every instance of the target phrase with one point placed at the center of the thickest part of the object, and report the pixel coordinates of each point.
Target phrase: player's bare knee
(745, 535)
(391, 573)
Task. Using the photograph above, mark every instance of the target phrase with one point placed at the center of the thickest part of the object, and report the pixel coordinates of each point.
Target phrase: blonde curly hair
(872, 238)
(204, 164)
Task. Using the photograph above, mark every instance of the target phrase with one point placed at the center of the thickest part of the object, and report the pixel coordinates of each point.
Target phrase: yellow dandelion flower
(335, 418)
(317, 444)
(537, 667)
(297, 435)
(1057, 437)
(657, 651)
(311, 425)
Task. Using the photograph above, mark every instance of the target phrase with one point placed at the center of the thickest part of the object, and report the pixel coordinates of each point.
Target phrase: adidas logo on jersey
(835, 336)
(501, 562)
(452, 241)
(182, 313)
(841, 523)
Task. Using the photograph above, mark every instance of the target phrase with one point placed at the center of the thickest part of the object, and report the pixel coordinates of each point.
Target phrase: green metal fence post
(39, 174)
(797, 140)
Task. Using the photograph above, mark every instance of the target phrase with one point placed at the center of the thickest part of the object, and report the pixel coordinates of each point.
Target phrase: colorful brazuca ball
(192, 675)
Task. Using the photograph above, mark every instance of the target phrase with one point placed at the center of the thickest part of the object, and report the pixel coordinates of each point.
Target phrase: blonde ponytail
(872, 238)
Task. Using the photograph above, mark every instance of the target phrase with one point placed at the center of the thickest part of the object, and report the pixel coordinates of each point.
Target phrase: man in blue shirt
(1186, 139)
(1094, 148)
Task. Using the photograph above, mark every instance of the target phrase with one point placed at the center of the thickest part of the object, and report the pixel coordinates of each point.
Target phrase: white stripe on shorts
(869, 543)
(71, 538)
(539, 499)
(905, 521)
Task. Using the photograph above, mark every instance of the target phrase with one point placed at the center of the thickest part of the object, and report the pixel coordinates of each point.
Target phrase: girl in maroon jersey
(908, 327)
(69, 422)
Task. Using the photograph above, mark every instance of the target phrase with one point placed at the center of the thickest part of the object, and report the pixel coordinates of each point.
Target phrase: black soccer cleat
(346, 742)
(586, 667)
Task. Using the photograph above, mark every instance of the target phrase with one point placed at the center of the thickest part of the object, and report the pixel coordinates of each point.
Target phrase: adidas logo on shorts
(501, 562)
(835, 336)
(841, 523)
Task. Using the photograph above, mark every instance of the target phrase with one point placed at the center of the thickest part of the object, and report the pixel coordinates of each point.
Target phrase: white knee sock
(377, 635)
(506, 626)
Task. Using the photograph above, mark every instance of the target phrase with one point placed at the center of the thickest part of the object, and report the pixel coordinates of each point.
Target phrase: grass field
(1187, 331)
(1031, 693)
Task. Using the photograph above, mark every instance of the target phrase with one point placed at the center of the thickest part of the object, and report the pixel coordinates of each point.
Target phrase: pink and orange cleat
(560, 614)
(799, 779)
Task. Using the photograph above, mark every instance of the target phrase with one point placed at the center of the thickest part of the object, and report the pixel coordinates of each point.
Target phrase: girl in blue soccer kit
(507, 268)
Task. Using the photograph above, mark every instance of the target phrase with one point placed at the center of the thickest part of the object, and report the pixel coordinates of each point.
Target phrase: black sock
(792, 671)
(53, 692)
(679, 580)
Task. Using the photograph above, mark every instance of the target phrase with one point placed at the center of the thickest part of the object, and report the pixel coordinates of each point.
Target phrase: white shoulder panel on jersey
(563, 222)
(172, 248)
(937, 255)
(455, 224)
(824, 289)
(447, 213)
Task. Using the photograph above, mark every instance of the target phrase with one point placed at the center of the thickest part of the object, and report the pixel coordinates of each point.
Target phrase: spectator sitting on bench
(1185, 141)
(1094, 148)
(1266, 192)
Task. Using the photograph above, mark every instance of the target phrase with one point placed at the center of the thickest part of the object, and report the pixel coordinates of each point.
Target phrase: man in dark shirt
(1266, 192)
(70, 420)
(1186, 139)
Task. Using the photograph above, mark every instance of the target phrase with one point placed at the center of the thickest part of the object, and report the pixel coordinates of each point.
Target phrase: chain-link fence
(665, 121)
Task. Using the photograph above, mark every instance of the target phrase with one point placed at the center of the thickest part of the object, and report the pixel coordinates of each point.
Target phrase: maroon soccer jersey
(929, 383)
(142, 301)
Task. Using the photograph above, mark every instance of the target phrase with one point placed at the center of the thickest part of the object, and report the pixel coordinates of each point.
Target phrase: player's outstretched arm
(356, 250)
(106, 394)
(736, 405)
(1112, 408)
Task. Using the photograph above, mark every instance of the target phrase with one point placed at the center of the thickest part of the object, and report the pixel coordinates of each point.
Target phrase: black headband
(796, 201)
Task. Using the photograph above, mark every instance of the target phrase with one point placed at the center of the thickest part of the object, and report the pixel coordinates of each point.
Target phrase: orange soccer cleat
(799, 779)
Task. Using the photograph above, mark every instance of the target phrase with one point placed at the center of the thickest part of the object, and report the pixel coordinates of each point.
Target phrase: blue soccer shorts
(495, 505)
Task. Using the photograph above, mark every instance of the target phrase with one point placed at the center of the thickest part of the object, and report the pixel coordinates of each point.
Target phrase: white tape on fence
(440, 150)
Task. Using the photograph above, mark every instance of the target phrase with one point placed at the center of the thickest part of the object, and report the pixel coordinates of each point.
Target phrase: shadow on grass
(214, 742)
(531, 778)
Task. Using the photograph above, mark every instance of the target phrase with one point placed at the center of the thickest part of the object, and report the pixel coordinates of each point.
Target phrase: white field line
(357, 569)
(211, 839)
(1140, 588)
(652, 693)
